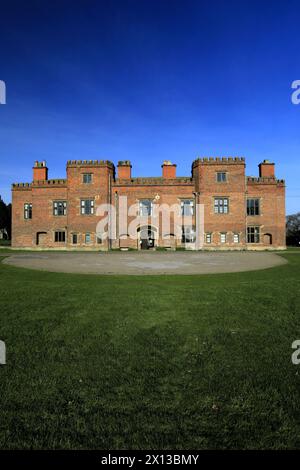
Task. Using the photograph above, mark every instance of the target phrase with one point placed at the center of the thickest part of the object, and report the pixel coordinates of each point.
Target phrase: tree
(5, 217)
(9, 211)
(293, 229)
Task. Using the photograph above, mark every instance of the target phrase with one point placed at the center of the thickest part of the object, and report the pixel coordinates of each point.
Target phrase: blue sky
(149, 80)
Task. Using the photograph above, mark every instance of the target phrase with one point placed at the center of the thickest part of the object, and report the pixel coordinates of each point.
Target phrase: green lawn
(150, 362)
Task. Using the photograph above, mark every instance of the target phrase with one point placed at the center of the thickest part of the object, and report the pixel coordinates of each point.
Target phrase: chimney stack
(40, 171)
(266, 169)
(124, 169)
(168, 169)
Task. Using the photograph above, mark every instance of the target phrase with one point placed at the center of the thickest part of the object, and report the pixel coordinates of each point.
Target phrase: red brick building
(240, 212)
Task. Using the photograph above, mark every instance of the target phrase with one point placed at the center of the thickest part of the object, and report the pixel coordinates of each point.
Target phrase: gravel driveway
(146, 263)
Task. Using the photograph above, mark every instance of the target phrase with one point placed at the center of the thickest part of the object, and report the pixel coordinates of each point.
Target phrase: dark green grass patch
(5, 243)
(122, 362)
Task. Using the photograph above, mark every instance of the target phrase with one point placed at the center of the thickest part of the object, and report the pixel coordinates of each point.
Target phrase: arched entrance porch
(147, 237)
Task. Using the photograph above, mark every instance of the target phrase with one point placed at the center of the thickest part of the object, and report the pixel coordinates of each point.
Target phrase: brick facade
(240, 212)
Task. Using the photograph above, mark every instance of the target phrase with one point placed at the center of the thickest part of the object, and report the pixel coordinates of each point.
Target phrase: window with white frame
(187, 207)
(87, 206)
(87, 237)
(27, 210)
(221, 205)
(223, 237)
(208, 237)
(146, 207)
(236, 238)
(59, 207)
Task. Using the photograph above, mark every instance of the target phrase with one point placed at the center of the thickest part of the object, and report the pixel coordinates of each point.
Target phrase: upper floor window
(187, 207)
(28, 211)
(87, 206)
(253, 235)
(221, 205)
(253, 207)
(59, 207)
(145, 207)
(60, 236)
(221, 177)
(188, 234)
(87, 178)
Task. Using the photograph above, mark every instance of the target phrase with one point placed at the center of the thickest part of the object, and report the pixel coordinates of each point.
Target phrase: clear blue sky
(148, 80)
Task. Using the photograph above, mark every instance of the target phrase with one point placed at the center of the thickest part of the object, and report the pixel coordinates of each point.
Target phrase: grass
(158, 362)
(5, 243)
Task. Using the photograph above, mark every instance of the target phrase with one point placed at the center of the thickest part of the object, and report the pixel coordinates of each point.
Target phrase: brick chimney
(266, 169)
(168, 169)
(40, 171)
(124, 169)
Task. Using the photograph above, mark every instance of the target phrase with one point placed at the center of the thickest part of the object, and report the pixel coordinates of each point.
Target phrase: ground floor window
(253, 235)
(74, 238)
(99, 239)
(60, 236)
(87, 238)
(236, 238)
(208, 237)
(188, 234)
(223, 237)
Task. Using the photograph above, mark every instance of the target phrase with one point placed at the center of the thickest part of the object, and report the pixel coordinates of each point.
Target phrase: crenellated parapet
(51, 182)
(40, 183)
(154, 181)
(89, 163)
(219, 161)
(21, 186)
(265, 180)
